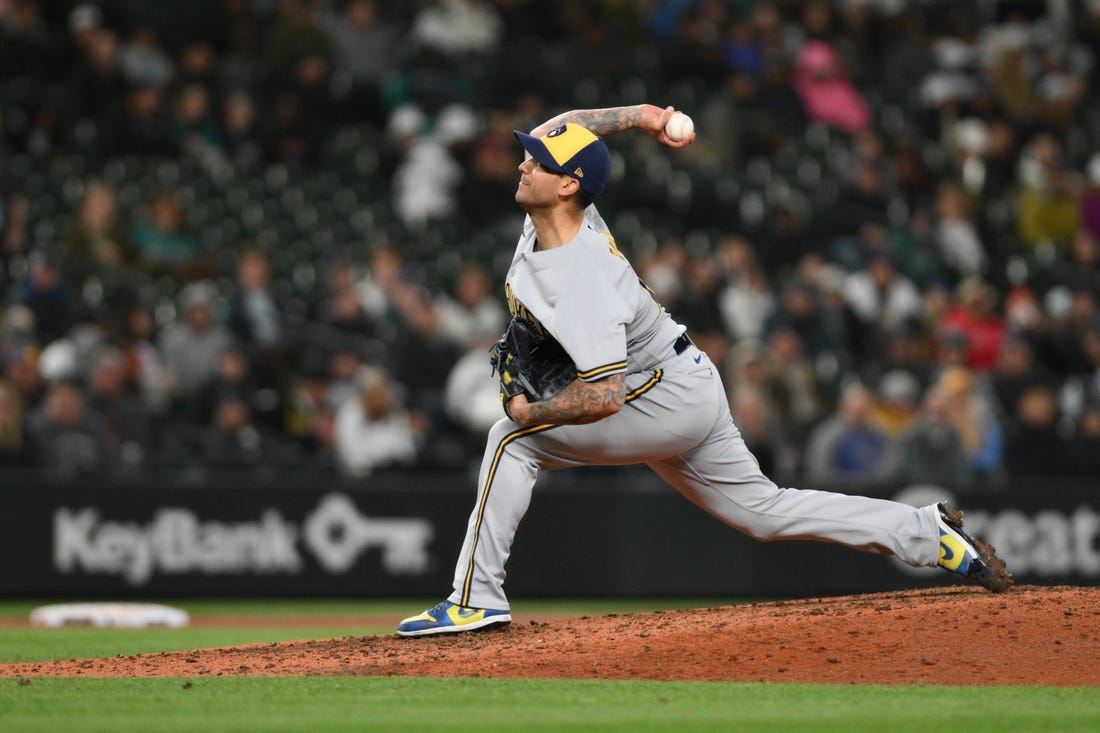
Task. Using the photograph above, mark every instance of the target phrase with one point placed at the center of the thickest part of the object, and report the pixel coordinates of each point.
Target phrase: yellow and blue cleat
(960, 553)
(451, 618)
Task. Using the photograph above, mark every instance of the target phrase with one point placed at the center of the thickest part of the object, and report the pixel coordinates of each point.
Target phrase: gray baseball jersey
(676, 420)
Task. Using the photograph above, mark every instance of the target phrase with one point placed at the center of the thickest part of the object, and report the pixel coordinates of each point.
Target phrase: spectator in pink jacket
(828, 94)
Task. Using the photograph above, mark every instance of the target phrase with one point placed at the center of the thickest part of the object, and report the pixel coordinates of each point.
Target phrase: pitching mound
(1030, 635)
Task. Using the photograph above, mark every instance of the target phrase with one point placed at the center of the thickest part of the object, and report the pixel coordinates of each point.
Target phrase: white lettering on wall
(178, 541)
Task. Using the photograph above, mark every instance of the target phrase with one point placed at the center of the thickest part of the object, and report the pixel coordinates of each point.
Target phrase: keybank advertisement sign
(399, 535)
(1052, 541)
(180, 540)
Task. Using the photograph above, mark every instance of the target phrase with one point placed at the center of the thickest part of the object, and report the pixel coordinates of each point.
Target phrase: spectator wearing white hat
(193, 345)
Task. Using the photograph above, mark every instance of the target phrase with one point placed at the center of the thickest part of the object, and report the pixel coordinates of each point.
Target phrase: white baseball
(679, 126)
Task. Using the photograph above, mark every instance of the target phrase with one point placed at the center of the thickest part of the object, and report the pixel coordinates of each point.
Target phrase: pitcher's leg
(514, 456)
(722, 477)
(505, 482)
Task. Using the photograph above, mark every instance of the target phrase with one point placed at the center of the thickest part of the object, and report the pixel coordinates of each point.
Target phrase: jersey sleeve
(590, 319)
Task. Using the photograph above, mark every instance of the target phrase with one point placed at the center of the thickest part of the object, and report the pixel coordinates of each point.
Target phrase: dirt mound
(1030, 635)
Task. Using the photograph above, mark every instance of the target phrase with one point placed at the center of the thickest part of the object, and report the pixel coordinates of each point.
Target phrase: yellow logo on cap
(564, 142)
(579, 173)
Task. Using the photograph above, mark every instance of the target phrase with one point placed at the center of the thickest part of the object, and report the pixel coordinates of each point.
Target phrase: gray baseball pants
(677, 421)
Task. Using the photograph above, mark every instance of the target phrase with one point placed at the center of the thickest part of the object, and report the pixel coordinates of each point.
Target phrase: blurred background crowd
(270, 235)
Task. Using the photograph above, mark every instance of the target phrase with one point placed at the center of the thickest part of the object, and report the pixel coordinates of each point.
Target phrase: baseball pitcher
(636, 390)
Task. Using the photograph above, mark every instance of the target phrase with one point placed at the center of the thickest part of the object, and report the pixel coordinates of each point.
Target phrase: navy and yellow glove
(530, 361)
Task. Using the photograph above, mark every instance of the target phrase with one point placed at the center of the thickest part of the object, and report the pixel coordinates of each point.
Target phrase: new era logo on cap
(573, 150)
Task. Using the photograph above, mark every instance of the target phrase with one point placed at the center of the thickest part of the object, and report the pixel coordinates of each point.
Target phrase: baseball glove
(530, 361)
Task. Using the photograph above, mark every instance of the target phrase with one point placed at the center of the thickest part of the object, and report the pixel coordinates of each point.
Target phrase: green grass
(26, 644)
(397, 608)
(410, 705)
(29, 645)
(392, 704)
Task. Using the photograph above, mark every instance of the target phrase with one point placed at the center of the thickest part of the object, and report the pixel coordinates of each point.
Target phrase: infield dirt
(955, 636)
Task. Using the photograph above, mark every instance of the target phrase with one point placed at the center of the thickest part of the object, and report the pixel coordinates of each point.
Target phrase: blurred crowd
(885, 235)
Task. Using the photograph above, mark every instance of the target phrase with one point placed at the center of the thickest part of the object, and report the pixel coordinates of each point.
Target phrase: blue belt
(680, 345)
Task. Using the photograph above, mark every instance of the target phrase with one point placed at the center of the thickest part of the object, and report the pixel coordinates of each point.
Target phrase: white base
(109, 615)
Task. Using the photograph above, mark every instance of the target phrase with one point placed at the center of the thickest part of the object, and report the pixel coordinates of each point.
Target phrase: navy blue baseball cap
(575, 151)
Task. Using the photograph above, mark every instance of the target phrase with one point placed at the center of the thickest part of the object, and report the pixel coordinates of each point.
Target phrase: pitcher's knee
(500, 430)
(505, 438)
(764, 532)
(756, 513)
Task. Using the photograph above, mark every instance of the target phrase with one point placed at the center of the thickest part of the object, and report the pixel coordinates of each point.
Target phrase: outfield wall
(588, 533)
